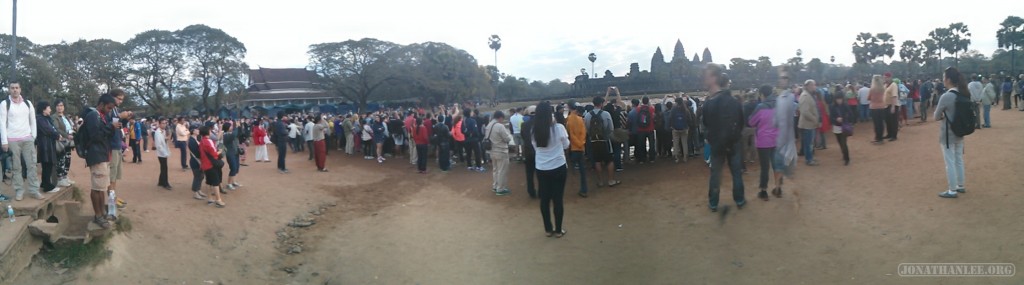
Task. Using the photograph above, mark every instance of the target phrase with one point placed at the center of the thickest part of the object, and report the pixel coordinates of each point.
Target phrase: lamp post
(14, 43)
(592, 57)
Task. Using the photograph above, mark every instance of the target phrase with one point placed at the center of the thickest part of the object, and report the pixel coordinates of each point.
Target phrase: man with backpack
(18, 134)
(471, 130)
(681, 120)
(723, 115)
(599, 142)
(643, 124)
(93, 143)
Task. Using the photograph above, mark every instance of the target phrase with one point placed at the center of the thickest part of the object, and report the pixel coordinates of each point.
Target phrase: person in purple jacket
(763, 120)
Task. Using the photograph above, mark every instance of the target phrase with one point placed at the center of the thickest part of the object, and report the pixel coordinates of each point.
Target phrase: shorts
(518, 138)
(600, 151)
(100, 176)
(399, 139)
(116, 157)
(213, 176)
(232, 165)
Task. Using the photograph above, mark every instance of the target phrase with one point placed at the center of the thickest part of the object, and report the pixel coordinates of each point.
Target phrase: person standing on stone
(18, 135)
(99, 130)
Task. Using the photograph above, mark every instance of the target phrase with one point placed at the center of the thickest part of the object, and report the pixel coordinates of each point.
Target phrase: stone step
(65, 214)
(41, 209)
(17, 247)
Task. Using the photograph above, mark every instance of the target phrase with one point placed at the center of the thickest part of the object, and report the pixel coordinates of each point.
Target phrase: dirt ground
(388, 225)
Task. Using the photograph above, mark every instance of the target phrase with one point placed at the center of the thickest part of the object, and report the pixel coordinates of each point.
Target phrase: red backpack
(646, 117)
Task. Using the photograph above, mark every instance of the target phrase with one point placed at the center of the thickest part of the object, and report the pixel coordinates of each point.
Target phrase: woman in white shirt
(550, 141)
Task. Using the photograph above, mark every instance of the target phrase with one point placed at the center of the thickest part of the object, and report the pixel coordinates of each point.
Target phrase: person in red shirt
(259, 137)
(207, 154)
(421, 139)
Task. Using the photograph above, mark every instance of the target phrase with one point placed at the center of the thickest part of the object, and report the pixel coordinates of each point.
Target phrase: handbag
(486, 143)
(216, 161)
(60, 147)
(847, 129)
(620, 135)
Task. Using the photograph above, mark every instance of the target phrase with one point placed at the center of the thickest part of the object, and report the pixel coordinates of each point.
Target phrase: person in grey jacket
(952, 145)
(499, 137)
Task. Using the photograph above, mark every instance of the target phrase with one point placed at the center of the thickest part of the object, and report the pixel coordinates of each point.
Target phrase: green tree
(442, 72)
(816, 68)
(352, 69)
(931, 53)
(910, 53)
(865, 48)
(886, 45)
(763, 68)
(155, 68)
(1011, 36)
(216, 61)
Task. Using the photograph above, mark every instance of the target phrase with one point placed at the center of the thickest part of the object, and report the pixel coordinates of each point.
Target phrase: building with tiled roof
(270, 87)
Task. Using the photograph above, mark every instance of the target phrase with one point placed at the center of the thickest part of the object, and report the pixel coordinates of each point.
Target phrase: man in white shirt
(160, 143)
(293, 134)
(516, 121)
(307, 135)
(862, 98)
(976, 88)
(18, 135)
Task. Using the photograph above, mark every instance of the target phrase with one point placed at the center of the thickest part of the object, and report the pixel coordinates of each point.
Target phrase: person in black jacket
(98, 132)
(841, 115)
(722, 116)
(46, 146)
(529, 154)
(280, 139)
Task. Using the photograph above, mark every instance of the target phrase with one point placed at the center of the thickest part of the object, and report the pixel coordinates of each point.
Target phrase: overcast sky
(541, 39)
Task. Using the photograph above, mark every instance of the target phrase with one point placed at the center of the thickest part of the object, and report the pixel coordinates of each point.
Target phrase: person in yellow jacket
(577, 143)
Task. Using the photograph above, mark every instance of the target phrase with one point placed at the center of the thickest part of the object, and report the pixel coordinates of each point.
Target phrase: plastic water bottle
(112, 204)
(10, 212)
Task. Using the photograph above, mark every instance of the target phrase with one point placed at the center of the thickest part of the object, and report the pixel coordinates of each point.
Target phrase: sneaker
(19, 197)
(237, 185)
(961, 190)
(380, 160)
(503, 192)
(54, 190)
(481, 169)
(64, 183)
(198, 195)
(230, 187)
(102, 222)
(72, 182)
(812, 163)
(946, 194)
(3, 198)
(619, 170)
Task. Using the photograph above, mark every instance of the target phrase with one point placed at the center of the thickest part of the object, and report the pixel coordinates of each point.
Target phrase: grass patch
(76, 194)
(75, 255)
(123, 224)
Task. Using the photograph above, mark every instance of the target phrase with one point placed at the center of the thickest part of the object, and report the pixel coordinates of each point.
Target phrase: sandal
(584, 195)
(219, 204)
(612, 183)
(560, 234)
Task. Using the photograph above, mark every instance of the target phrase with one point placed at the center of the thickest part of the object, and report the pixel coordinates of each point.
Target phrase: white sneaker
(63, 183)
(230, 187)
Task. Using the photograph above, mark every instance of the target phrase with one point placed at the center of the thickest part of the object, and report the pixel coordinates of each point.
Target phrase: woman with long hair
(766, 132)
(876, 95)
(841, 117)
(952, 145)
(229, 140)
(46, 146)
(66, 129)
(207, 155)
(550, 141)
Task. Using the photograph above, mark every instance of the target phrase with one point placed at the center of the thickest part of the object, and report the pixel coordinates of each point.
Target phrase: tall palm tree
(592, 57)
(495, 43)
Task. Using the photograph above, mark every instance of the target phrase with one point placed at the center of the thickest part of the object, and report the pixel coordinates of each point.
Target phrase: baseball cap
(888, 74)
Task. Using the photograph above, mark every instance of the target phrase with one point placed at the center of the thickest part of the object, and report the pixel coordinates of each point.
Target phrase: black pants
(421, 159)
(444, 156)
(531, 169)
(182, 146)
(197, 178)
(47, 177)
(892, 126)
(162, 181)
(282, 150)
(841, 138)
(134, 143)
(309, 145)
(765, 156)
(878, 118)
(460, 151)
(473, 153)
(368, 148)
(552, 189)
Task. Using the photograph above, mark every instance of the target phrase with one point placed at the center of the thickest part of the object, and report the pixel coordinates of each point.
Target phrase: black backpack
(596, 131)
(964, 118)
(679, 120)
(81, 138)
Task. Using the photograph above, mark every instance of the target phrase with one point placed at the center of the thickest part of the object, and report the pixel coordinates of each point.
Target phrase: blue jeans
(718, 158)
(909, 104)
(987, 109)
(864, 116)
(576, 158)
(954, 157)
(807, 143)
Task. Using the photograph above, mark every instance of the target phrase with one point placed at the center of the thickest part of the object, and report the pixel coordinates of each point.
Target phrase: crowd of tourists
(597, 138)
